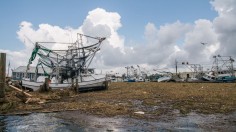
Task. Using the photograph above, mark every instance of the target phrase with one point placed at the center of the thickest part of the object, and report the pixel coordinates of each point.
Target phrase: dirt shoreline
(143, 100)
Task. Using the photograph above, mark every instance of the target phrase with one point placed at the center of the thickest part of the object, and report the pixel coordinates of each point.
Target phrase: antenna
(29, 39)
(8, 69)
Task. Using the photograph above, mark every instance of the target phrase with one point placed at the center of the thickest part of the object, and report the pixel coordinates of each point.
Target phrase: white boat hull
(87, 83)
(164, 79)
(212, 77)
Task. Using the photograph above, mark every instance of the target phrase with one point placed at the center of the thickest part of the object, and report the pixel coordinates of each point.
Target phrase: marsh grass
(155, 99)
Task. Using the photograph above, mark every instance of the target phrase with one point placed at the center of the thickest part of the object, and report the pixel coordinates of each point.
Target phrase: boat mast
(232, 66)
(225, 64)
(215, 67)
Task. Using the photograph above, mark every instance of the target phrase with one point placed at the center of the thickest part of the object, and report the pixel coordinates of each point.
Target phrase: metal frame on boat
(68, 65)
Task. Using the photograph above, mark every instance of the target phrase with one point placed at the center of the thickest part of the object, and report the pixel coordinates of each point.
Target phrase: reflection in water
(2, 123)
(190, 122)
(71, 121)
(42, 122)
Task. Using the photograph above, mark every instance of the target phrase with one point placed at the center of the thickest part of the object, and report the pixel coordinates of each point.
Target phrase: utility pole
(8, 75)
(2, 76)
(176, 67)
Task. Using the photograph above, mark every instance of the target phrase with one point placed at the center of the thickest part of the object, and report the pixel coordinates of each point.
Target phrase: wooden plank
(27, 94)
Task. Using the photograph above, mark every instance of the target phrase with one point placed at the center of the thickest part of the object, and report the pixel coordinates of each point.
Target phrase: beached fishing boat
(219, 76)
(164, 77)
(222, 70)
(88, 82)
(67, 65)
(135, 74)
(161, 76)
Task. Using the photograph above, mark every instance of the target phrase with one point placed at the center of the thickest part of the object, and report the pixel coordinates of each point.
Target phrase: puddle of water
(40, 122)
(191, 122)
(75, 121)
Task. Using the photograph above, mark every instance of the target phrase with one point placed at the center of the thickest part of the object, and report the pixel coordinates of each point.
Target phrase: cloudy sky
(152, 34)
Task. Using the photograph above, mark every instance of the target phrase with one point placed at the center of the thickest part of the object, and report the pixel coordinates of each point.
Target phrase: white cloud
(163, 42)
(107, 24)
(203, 32)
(98, 23)
(16, 58)
(224, 7)
(161, 47)
(225, 26)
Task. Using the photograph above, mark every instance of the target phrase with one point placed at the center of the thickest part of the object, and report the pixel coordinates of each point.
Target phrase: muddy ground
(175, 106)
(150, 99)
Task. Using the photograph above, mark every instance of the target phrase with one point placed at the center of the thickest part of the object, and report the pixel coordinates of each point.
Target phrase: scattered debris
(139, 112)
(160, 99)
(26, 94)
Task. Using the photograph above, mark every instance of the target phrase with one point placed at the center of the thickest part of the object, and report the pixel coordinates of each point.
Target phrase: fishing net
(68, 62)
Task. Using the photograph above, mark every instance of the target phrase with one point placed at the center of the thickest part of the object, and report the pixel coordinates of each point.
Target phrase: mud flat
(147, 101)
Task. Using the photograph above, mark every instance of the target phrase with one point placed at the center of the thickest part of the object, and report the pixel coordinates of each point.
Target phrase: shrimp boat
(135, 74)
(67, 65)
(222, 70)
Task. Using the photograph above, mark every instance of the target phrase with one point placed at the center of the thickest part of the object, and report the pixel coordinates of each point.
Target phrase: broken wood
(22, 97)
(26, 97)
(27, 94)
(34, 100)
(28, 100)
